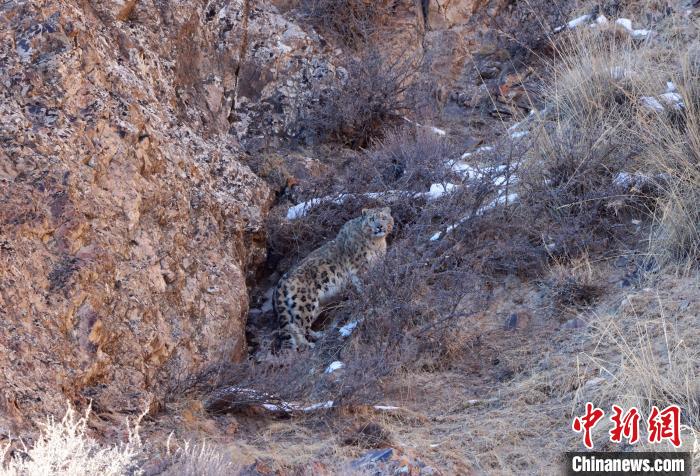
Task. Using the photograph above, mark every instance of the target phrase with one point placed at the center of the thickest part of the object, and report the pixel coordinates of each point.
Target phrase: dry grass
(601, 127)
(200, 460)
(65, 447)
(647, 354)
(673, 153)
(573, 286)
(586, 139)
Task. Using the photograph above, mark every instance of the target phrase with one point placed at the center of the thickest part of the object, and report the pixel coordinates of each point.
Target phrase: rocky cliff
(128, 223)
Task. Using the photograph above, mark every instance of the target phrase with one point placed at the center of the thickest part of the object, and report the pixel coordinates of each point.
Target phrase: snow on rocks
(601, 21)
(651, 103)
(480, 150)
(435, 191)
(301, 209)
(573, 23)
(626, 23)
(663, 101)
(433, 129)
(333, 366)
(673, 100)
(638, 180)
(670, 99)
(578, 21)
(502, 199)
(347, 329)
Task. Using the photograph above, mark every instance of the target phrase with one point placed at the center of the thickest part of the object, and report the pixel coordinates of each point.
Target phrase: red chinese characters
(587, 422)
(625, 426)
(661, 425)
(665, 425)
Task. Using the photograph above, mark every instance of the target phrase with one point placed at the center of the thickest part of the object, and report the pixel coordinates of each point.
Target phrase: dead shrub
(363, 103)
(569, 185)
(573, 286)
(410, 159)
(352, 23)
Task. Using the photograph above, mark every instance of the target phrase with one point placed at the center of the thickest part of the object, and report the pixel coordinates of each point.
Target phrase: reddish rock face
(127, 222)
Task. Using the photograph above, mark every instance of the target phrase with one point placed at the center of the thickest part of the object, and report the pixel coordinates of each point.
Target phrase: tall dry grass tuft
(672, 154)
(587, 138)
(601, 75)
(65, 447)
(200, 460)
(647, 355)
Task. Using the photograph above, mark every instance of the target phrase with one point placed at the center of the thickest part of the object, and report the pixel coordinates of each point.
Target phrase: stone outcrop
(128, 223)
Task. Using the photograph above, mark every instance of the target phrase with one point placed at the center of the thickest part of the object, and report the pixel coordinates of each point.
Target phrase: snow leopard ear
(365, 212)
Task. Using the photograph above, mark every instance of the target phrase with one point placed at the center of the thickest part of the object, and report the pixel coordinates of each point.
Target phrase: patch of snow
(578, 21)
(638, 179)
(639, 34)
(301, 209)
(318, 406)
(438, 131)
(670, 86)
(601, 20)
(222, 13)
(347, 329)
(485, 148)
(337, 365)
(437, 190)
(387, 408)
(651, 103)
(518, 134)
(626, 23)
(672, 99)
(500, 200)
